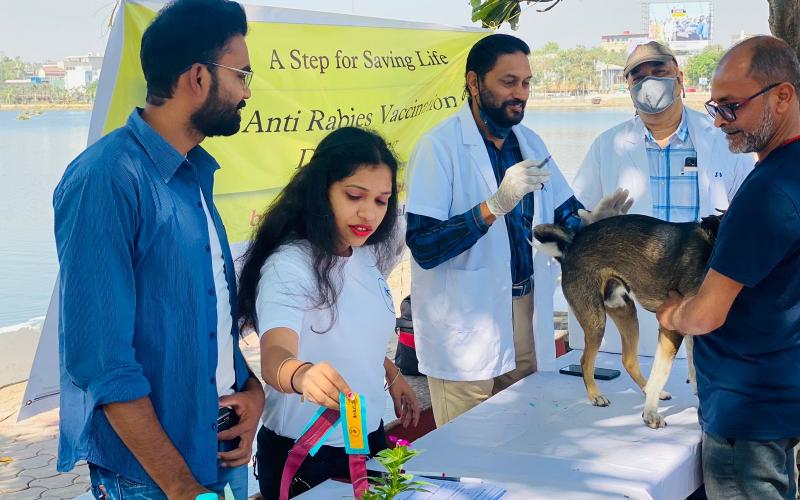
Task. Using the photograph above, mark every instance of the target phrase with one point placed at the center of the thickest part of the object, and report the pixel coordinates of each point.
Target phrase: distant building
(609, 76)
(51, 71)
(53, 74)
(80, 76)
(94, 61)
(739, 37)
(622, 41)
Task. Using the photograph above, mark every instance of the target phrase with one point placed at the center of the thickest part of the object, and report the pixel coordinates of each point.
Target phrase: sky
(39, 30)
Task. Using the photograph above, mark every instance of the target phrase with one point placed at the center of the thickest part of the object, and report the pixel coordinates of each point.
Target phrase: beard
(752, 142)
(497, 111)
(216, 117)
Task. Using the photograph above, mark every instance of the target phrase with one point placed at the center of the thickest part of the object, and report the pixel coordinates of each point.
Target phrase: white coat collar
(471, 136)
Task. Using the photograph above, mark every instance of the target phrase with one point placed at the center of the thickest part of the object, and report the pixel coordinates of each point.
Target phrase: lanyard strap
(303, 446)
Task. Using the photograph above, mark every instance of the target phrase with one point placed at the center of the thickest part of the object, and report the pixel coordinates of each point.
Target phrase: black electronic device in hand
(226, 419)
(599, 373)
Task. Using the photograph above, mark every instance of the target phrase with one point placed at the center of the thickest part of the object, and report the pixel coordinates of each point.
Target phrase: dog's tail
(553, 240)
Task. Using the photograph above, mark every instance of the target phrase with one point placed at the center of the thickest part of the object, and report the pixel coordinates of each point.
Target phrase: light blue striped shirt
(676, 197)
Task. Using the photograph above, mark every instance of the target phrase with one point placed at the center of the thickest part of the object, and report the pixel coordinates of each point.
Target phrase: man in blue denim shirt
(147, 337)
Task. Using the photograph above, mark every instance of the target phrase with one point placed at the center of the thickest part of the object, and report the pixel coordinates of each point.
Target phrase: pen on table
(444, 477)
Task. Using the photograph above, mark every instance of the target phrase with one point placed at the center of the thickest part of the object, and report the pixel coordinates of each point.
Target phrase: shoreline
(623, 101)
(46, 107)
(693, 100)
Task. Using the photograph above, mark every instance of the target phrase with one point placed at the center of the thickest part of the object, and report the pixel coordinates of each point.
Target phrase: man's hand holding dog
(666, 313)
(702, 313)
(617, 203)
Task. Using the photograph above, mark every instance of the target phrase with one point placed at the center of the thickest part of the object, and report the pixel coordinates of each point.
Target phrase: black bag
(406, 356)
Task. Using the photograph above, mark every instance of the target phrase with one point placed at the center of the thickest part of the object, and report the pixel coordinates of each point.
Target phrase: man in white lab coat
(672, 160)
(477, 184)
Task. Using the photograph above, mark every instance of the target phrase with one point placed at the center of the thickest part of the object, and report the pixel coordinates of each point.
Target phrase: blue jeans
(738, 469)
(108, 485)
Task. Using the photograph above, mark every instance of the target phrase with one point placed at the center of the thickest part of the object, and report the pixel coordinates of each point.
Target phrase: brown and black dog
(608, 264)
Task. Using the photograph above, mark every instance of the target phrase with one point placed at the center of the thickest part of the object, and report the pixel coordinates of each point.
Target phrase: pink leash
(301, 449)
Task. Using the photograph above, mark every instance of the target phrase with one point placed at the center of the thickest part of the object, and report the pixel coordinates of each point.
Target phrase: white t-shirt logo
(386, 294)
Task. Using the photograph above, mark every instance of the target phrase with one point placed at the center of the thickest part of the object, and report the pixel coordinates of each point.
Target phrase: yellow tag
(355, 428)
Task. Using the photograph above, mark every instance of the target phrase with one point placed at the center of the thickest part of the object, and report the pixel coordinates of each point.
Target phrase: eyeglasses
(728, 111)
(246, 76)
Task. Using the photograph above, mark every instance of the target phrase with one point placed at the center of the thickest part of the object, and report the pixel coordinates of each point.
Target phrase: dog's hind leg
(622, 310)
(592, 317)
(668, 344)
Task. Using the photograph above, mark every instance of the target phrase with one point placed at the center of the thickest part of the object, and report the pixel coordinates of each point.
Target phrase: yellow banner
(311, 79)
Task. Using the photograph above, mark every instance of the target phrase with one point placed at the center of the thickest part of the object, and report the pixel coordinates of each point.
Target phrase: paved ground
(28, 454)
(28, 449)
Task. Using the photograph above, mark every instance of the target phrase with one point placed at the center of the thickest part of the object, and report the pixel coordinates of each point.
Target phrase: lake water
(34, 153)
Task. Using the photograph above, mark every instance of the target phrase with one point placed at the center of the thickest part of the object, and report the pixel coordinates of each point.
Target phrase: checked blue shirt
(676, 197)
(138, 312)
(433, 241)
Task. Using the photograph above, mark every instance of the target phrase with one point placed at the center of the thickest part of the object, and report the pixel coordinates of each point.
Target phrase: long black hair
(302, 212)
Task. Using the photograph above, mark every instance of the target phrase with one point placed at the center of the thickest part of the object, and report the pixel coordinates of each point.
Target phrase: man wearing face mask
(672, 160)
(478, 182)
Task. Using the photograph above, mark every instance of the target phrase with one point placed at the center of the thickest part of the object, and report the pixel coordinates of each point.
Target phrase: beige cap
(648, 52)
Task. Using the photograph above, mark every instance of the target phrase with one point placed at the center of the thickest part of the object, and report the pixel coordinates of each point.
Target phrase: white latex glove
(520, 179)
(617, 203)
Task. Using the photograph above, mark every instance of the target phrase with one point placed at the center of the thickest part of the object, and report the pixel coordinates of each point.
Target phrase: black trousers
(330, 461)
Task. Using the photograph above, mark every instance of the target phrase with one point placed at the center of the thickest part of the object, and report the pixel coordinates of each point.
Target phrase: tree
(569, 70)
(11, 69)
(91, 91)
(784, 21)
(703, 64)
(493, 13)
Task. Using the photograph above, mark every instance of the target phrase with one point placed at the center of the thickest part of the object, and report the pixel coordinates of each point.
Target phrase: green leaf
(513, 19)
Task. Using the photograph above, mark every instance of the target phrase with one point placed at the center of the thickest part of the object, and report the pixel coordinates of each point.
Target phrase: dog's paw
(653, 419)
(664, 395)
(599, 400)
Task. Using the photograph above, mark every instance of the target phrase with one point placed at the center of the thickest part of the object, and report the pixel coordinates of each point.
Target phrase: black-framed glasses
(247, 76)
(728, 110)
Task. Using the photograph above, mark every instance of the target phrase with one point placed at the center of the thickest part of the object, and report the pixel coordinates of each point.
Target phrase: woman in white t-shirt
(313, 284)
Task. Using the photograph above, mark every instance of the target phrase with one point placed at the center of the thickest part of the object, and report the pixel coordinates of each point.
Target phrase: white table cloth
(542, 439)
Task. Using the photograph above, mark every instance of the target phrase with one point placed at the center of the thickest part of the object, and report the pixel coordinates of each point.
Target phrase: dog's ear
(710, 225)
(554, 240)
